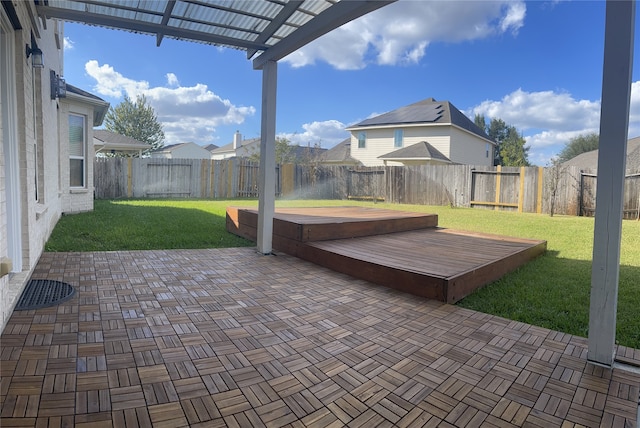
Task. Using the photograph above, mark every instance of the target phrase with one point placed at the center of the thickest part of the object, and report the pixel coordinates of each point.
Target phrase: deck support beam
(267, 197)
(614, 124)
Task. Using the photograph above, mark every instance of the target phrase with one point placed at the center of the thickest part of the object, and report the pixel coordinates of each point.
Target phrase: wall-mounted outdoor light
(38, 57)
(58, 85)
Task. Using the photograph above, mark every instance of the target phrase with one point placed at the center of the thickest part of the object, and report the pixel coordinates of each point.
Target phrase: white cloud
(401, 32)
(172, 80)
(68, 44)
(327, 134)
(187, 113)
(112, 84)
(548, 119)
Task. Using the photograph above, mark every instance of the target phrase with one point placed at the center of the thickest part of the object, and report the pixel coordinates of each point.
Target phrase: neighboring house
(340, 155)
(107, 142)
(46, 150)
(416, 154)
(444, 135)
(238, 148)
(181, 151)
(306, 154)
(588, 161)
(211, 147)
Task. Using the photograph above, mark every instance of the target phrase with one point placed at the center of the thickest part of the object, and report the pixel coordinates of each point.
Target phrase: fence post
(498, 182)
(540, 188)
(521, 194)
(129, 177)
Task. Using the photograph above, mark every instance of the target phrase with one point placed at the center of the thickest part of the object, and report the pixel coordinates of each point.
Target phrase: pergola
(269, 30)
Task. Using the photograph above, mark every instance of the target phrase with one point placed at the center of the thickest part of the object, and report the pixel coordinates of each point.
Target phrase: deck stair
(403, 250)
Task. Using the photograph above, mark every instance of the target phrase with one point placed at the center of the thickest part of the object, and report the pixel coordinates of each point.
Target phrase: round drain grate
(40, 293)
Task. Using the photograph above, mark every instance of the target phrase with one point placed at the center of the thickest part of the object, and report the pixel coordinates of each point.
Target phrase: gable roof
(589, 160)
(418, 151)
(306, 152)
(229, 147)
(340, 153)
(210, 147)
(425, 112)
(101, 107)
(172, 147)
(108, 140)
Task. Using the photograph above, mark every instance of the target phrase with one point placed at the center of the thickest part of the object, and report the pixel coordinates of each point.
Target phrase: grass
(551, 291)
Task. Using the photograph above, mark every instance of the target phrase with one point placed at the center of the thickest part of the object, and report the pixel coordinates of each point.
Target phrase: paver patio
(228, 337)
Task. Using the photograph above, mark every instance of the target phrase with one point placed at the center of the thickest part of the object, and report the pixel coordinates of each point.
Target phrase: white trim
(614, 127)
(416, 125)
(8, 105)
(267, 196)
(84, 156)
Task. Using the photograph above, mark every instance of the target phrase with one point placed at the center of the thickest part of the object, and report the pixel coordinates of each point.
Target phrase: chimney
(237, 140)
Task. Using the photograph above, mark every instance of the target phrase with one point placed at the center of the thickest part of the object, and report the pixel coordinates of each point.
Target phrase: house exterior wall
(457, 145)
(191, 151)
(244, 151)
(34, 141)
(380, 141)
(469, 150)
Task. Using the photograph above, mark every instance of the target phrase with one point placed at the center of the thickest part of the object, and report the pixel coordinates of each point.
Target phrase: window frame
(398, 142)
(83, 157)
(362, 140)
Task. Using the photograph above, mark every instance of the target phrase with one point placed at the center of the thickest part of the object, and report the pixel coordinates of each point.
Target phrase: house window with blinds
(398, 136)
(77, 150)
(362, 140)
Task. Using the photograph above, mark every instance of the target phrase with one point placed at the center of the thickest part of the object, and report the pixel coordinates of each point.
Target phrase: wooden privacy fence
(565, 190)
(176, 178)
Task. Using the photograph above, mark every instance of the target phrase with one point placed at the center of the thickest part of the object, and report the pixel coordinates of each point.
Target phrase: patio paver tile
(221, 338)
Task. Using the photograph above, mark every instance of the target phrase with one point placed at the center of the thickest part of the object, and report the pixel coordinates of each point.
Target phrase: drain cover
(40, 293)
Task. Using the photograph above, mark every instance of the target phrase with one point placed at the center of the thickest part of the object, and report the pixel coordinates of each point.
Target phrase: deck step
(401, 250)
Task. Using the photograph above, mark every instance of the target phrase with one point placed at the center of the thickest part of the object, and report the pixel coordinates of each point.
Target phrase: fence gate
(499, 188)
(631, 198)
(366, 184)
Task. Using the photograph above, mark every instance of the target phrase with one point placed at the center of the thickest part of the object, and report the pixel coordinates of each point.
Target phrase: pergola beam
(614, 124)
(328, 20)
(145, 27)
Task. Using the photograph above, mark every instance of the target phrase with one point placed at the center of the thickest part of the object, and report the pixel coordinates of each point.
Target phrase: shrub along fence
(561, 190)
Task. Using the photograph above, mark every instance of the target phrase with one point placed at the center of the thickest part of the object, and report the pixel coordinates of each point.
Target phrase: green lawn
(551, 291)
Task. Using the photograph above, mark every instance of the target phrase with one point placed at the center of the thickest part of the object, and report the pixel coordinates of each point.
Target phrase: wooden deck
(402, 250)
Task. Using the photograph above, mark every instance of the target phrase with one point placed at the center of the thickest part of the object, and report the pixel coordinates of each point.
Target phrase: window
(398, 135)
(76, 150)
(487, 149)
(362, 140)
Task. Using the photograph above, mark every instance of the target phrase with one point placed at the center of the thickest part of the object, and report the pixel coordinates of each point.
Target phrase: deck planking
(402, 250)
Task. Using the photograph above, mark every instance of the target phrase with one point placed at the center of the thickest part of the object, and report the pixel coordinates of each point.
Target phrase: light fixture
(58, 85)
(38, 58)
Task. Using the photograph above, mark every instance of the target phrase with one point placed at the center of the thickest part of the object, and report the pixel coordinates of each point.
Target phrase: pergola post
(267, 197)
(612, 153)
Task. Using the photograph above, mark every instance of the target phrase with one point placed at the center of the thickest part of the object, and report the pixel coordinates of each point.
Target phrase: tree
(581, 144)
(137, 120)
(513, 149)
(284, 152)
(480, 122)
(555, 171)
(497, 131)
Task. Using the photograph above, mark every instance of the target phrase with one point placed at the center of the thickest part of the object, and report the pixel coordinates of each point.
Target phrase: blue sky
(535, 65)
